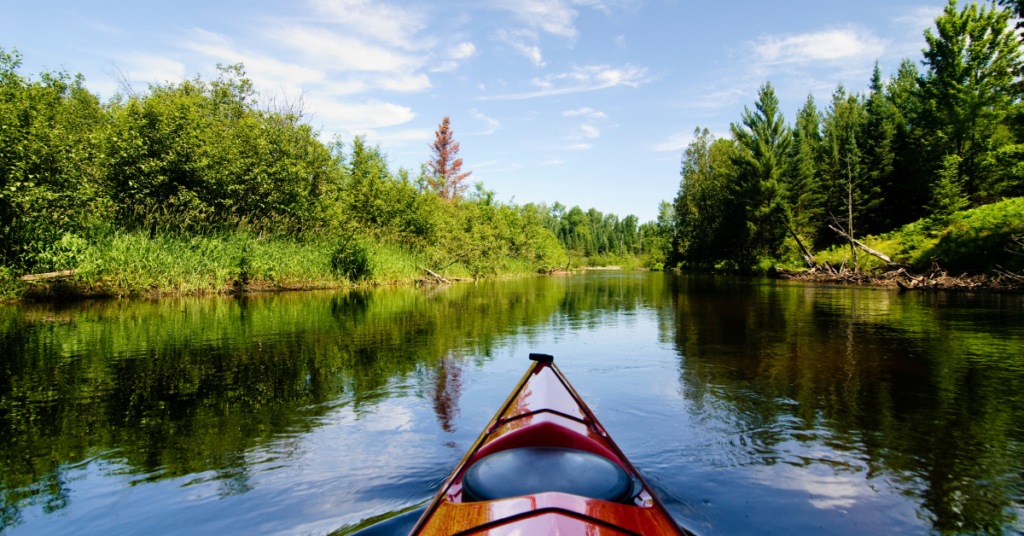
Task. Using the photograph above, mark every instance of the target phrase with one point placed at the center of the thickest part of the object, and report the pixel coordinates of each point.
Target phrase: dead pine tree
(446, 177)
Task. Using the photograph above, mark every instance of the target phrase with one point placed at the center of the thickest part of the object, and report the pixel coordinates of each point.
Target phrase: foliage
(921, 146)
(351, 260)
(187, 187)
(50, 163)
(202, 154)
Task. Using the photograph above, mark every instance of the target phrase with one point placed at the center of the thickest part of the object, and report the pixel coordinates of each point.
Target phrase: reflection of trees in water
(446, 390)
(929, 398)
(185, 387)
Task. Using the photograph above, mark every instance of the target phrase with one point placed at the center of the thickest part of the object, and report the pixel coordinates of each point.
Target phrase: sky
(584, 102)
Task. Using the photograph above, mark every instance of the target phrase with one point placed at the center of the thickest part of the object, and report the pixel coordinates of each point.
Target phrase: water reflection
(753, 406)
(856, 389)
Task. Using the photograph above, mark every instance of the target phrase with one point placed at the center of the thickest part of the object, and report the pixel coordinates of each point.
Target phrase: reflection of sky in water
(727, 449)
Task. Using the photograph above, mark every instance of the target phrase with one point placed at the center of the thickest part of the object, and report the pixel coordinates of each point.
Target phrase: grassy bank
(135, 264)
(975, 240)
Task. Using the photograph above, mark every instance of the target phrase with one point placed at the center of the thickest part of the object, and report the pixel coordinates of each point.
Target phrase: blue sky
(586, 102)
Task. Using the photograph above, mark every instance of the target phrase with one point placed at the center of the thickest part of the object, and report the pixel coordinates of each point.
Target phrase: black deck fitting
(542, 358)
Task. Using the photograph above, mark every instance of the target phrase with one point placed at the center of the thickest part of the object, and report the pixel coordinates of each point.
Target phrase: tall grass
(136, 263)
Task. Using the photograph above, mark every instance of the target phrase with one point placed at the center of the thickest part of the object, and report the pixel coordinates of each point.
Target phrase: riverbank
(977, 249)
(137, 265)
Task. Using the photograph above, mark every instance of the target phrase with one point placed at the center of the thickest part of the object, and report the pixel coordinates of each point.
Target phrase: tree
(446, 175)
(968, 89)
(802, 189)
(700, 204)
(764, 141)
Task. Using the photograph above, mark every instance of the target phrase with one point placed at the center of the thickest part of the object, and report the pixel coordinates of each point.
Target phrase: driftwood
(898, 276)
(435, 276)
(808, 258)
(49, 276)
(860, 245)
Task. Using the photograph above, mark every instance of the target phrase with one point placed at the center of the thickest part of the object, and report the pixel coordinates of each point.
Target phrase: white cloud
(585, 78)
(411, 82)
(590, 131)
(264, 70)
(342, 52)
(462, 51)
(385, 23)
(580, 146)
(589, 112)
(445, 67)
(492, 124)
(620, 41)
(367, 115)
(552, 16)
(515, 39)
(828, 45)
(142, 67)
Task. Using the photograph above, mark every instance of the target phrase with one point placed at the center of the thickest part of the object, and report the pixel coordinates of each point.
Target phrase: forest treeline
(196, 184)
(918, 147)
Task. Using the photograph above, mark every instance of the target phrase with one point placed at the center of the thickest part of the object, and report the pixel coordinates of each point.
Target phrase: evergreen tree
(803, 192)
(757, 201)
(879, 142)
(842, 172)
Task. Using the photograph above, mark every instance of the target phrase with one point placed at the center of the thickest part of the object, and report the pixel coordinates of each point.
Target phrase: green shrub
(351, 260)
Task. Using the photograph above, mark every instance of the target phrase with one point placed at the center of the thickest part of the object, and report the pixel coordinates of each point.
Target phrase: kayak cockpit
(545, 466)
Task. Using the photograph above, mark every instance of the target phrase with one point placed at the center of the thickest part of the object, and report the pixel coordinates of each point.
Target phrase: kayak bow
(545, 465)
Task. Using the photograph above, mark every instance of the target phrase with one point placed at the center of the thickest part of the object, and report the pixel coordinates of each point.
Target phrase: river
(753, 406)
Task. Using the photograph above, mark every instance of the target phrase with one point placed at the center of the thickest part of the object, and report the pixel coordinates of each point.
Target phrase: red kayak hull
(544, 411)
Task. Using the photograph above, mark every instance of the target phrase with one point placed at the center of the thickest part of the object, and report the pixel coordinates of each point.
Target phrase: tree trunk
(808, 258)
(878, 254)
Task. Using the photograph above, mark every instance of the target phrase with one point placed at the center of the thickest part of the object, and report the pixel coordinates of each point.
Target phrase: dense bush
(50, 164)
(126, 191)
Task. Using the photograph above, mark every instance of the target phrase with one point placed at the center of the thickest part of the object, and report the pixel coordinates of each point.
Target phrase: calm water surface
(753, 406)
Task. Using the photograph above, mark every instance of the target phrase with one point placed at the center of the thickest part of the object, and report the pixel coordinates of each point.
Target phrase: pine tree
(879, 141)
(758, 204)
(841, 179)
(446, 175)
(803, 192)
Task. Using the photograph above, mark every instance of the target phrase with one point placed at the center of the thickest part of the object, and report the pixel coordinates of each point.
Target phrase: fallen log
(857, 243)
(808, 258)
(435, 276)
(49, 276)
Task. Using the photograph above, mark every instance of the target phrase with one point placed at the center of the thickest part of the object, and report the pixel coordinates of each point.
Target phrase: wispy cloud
(552, 16)
(590, 131)
(920, 17)
(517, 40)
(620, 41)
(585, 78)
(828, 45)
(384, 23)
(365, 115)
(580, 146)
(675, 142)
(552, 162)
(492, 124)
(589, 112)
(462, 51)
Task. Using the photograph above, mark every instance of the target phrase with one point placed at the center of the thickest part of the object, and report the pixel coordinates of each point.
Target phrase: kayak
(545, 465)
